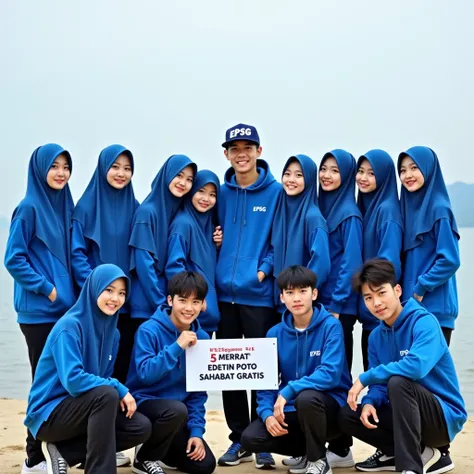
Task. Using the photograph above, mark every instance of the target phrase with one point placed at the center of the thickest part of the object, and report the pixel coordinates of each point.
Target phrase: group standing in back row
(239, 236)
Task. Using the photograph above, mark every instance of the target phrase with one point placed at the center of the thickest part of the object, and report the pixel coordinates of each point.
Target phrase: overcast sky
(170, 77)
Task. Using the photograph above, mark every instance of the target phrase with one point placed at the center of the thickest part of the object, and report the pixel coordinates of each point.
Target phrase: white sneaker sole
(47, 456)
(377, 469)
(236, 463)
(436, 457)
(295, 470)
(121, 462)
(443, 469)
(338, 464)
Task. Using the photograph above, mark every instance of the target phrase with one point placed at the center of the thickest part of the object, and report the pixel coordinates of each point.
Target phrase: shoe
(166, 467)
(147, 467)
(234, 456)
(122, 459)
(408, 472)
(319, 467)
(430, 456)
(39, 468)
(55, 463)
(376, 462)
(299, 468)
(444, 464)
(264, 461)
(336, 461)
(293, 461)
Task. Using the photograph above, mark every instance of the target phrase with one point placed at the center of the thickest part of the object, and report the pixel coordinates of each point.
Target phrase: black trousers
(35, 337)
(169, 437)
(91, 428)
(314, 422)
(248, 321)
(348, 322)
(414, 419)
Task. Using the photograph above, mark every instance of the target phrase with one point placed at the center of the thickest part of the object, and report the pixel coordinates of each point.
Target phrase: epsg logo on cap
(241, 132)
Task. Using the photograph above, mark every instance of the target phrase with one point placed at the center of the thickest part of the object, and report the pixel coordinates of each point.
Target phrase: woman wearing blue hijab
(75, 408)
(431, 236)
(337, 203)
(101, 227)
(38, 258)
(150, 231)
(190, 244)
(380, 207)
(299, 232)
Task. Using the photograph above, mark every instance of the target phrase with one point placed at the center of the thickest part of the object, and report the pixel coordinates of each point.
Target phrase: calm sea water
(15, 370)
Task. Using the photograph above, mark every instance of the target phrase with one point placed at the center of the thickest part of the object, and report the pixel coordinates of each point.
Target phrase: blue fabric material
(158, 367)
(104, 215)
(313, 359)
(414, 348)
(80, 351)
(149, 239)
(296, 225)
(383, 225)
(246, 217)
(191, 246)
(38, 248)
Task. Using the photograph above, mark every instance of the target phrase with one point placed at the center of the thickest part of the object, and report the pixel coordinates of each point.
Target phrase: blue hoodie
(102, 220)
(158, 368)
(246, 216)
(415, 348)
(300, 233)
(191, 246)
(430, 240)
(80, 351)
(37, 253)
(345, 237)
(383, 225)
(313, 359)
(149, 239)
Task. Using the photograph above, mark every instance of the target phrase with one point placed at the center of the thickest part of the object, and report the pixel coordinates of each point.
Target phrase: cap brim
(226, 144)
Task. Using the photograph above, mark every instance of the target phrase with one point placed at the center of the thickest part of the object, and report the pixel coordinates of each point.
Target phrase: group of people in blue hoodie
(224, 252)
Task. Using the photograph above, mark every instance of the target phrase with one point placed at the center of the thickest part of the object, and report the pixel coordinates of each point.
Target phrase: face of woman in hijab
(410, 175)
(120, 173)
(365, 177)
(59, 173)
(329, 175)
(204, 199)
(293, 179)
(113, 297)
(182, 182)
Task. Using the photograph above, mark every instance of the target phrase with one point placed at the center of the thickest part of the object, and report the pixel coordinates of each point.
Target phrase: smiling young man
(299, 418)
(157, 378)
(244, 269)
(414, 404)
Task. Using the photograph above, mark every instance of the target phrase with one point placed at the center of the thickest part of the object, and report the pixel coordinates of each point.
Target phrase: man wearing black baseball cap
(245, 267)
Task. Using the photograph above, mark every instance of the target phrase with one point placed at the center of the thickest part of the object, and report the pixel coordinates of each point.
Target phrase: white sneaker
(430, 456)
(319, 467)
(299, 468)
(336, 461)
(39, 468)
(122, 460)
(408, 472)
(293, 461)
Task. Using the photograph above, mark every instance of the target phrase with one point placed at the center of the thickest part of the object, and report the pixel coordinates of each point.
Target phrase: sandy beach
(12, 439)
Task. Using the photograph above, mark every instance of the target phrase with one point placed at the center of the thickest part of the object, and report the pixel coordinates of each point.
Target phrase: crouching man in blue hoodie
(299, 418)
(414, 404)
(157, 379)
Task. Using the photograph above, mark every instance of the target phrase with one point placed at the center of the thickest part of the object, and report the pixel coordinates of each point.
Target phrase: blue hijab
(338, 205)
(52, 208)
(422, 208)
(382, 204)
(106, 213)
(97, 330)
(152, 219)
(291, 230)
(199, 234)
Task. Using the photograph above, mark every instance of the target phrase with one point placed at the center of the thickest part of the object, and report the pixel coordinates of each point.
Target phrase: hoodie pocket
(39, 303)
(246, 280)
(224, 271)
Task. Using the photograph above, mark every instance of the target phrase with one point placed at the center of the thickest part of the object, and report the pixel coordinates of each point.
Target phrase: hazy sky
(170, 77)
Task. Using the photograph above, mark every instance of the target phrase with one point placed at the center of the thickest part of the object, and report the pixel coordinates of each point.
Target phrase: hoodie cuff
(265, 414)
(46, 288)
(419, 289)
(122, 390)
(287, 393)
(365, 378)
(196, 432)
(335, 307)
(265, 268)
(367, 400)
(175, 350)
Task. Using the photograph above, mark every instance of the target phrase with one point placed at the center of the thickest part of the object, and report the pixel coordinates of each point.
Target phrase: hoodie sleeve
(152, 362)
(177, 255)
(146, 273)
(377, 395)
(427, 348)
(320, 261)
(66, 352)
(447, 259)
(79, 262)
(266, 266)
(17, 259)
(110, 368)
(390, 236)
(351, 261)
(328, 373)
(196, 414)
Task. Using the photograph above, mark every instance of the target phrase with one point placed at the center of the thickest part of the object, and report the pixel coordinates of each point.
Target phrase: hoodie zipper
(237, 253)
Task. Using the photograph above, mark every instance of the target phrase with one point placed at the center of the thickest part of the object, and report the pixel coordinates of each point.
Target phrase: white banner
(232, 364)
